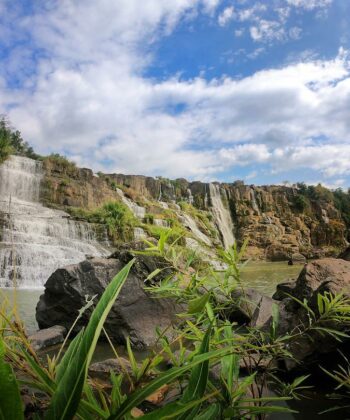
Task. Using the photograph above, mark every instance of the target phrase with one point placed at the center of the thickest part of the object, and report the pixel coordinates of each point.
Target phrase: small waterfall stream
(36, 240)
(222, 216)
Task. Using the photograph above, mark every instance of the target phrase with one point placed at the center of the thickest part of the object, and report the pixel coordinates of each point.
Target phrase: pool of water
(264, 276)
(25, 301)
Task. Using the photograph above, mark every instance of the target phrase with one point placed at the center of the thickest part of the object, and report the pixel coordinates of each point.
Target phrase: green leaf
(198, 304)
(10, 399)
(211, 413)
(66, 398)
(139, 395)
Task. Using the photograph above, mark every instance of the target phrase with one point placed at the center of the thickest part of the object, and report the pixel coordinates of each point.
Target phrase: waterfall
(254, 203)
(36, 240)
(138, 211)
(222, 216)
(191, 224)
(190, 196)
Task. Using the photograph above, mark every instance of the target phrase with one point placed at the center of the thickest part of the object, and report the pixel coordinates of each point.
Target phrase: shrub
(11, 141)
(63, 164)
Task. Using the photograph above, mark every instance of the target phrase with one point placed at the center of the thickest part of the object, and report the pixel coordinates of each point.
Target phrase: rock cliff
(280, 222)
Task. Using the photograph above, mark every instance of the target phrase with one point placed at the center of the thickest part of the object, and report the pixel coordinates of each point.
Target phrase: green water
(263, 276)
(25, 300)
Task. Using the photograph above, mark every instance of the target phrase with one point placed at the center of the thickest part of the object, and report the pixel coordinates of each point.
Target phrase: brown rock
(48, 337)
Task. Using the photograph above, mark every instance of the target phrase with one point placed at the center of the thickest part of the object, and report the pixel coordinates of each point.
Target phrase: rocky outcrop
(279, 221)
(135, 314)
(48, 337)
(345, 255)
(329, 275)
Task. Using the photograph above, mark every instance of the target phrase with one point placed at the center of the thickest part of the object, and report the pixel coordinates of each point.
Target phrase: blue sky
(202, 89)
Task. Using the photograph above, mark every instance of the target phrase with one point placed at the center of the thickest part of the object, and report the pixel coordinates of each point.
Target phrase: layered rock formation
(270, 217)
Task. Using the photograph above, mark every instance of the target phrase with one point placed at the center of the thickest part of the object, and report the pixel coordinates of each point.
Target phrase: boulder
(325, 275)
(102, 370)
(135, 314)
(345, 255)
(250, 307)
(48, 337)
(318, 277)
(284, 289)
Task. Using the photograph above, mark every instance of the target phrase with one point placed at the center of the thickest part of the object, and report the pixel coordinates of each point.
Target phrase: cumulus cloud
(88, 96)
(226, 15)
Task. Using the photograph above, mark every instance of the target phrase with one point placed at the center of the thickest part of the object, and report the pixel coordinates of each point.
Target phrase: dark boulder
(329, 275)
(284, 289)
(326, 275)
(136, 313)
(345, 255)
(250, 307)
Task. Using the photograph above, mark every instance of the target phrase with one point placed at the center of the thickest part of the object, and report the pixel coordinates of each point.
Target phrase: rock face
(269, 216)
(135, 313)
(48, 337)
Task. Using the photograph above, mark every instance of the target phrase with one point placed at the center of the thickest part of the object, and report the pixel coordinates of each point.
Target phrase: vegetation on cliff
(11, 142)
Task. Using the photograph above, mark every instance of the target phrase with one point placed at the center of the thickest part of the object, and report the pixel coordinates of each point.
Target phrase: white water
(190, 196)
(36, 240)
(138, 211)
(254, 202)
(222, 216)
(191, 224)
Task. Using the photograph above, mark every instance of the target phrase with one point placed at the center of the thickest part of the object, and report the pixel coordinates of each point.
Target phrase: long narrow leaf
(66, 399)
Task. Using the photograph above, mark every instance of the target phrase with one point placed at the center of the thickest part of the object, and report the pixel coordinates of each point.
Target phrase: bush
(300, 203)
(11, 141)
(5, 147)
(62, 163)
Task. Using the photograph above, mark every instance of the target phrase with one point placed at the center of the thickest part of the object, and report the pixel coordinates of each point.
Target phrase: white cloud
(295, 32)
(88, 96)
(267, 30)
(310, 4)
(225, 16)
(239, 32)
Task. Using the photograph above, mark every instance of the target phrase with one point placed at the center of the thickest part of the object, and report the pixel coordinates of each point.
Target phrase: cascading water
(36, 240)
(190, 196)
(190, 223)
(222, 216)
(138, 211)
(254, 202)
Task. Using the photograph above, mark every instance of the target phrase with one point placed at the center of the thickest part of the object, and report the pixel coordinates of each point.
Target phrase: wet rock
(135, 314)
(48, 337)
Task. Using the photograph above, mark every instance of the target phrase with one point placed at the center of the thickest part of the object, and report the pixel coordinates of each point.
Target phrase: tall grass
(206, 352)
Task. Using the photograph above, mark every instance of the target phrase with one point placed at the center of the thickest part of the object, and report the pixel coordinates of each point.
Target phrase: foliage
(301, 203)
(118, 218)
(206, 341)
(63, 164)
(11, 141)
